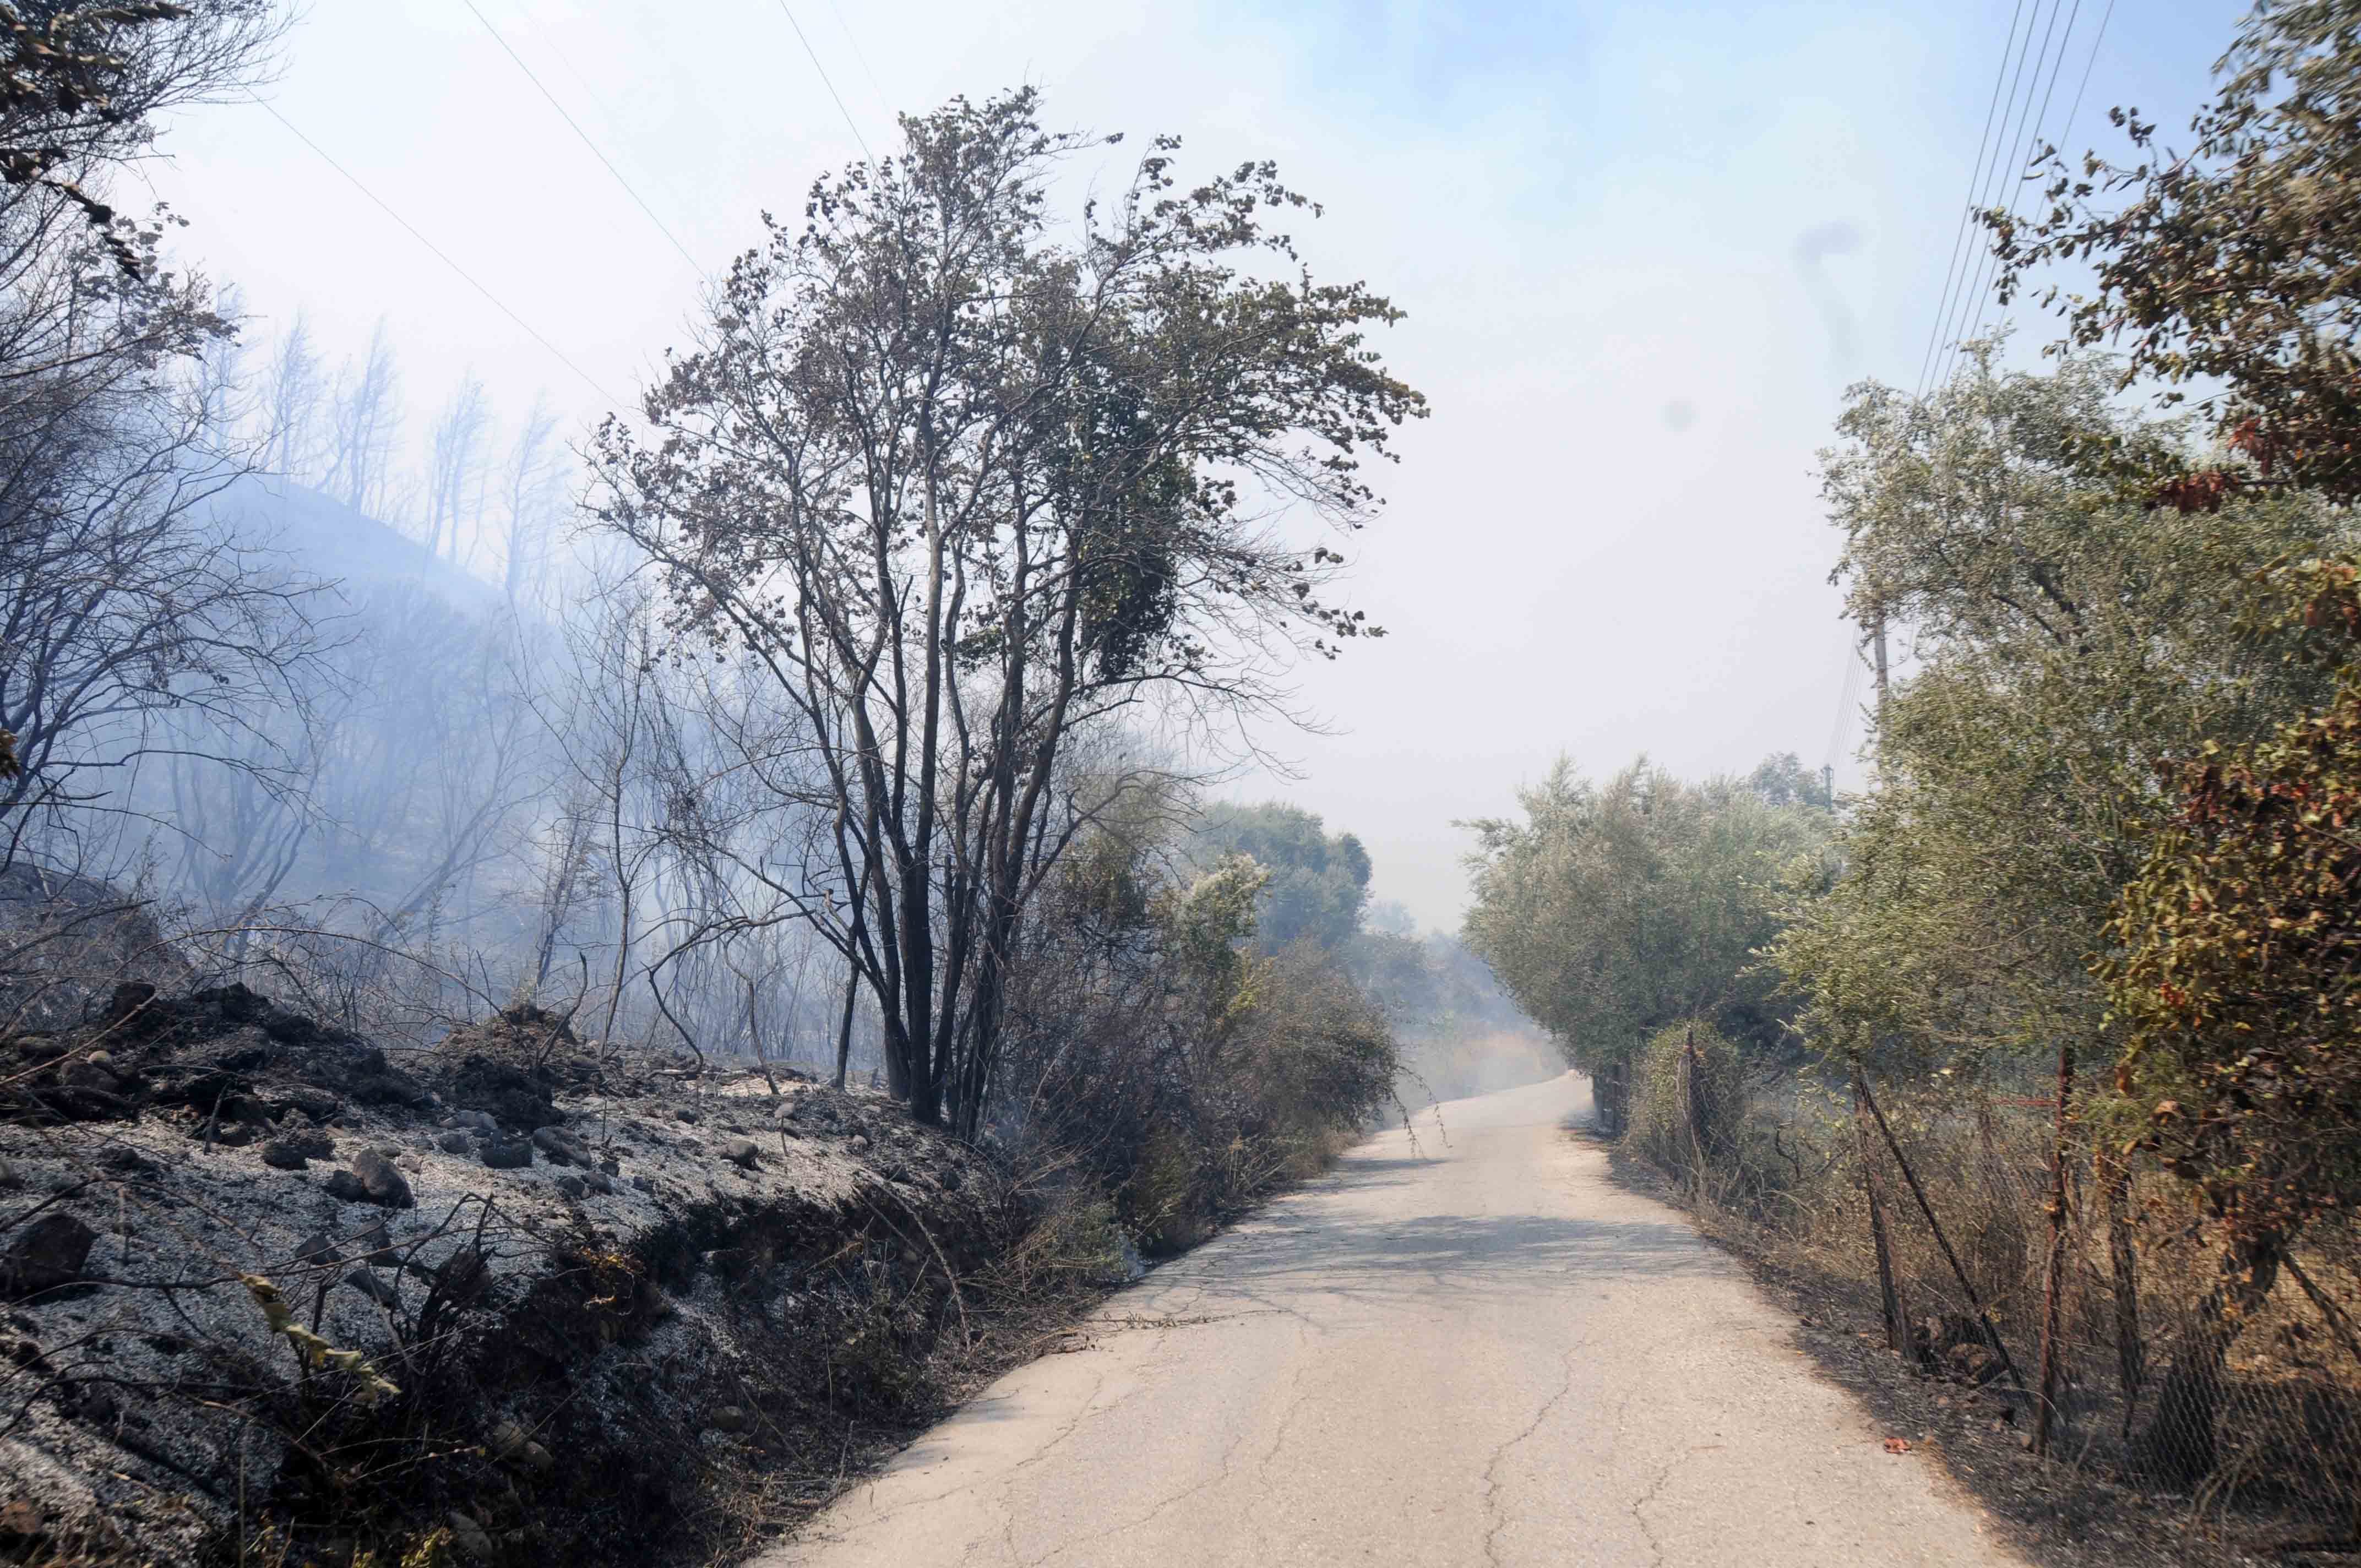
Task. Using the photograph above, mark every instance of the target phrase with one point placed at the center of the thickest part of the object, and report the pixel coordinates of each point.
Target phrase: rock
(370, 1284)
(383, 1182)
(454, 1143)
(290, 1151)
(9, 1179)
(1972, 1364)
(511, 1444)
(742, 1152)
(858, 1142)
(319, 1250)
(474, 1541)
(22, 1524)
(47, 1254)
(376, 1246)
(346, 1188)
(316, 1107)
(463, 1276)
(729, 1418)
(127, 999)
(688, 1116)
(560, 1147)
(411, 1163)
(508, 1157)
(952, 1178)
(571, 1186)
(610, 1165)
(643, 1184)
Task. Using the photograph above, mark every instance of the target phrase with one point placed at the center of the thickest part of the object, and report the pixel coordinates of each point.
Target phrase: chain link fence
(1998, 1244)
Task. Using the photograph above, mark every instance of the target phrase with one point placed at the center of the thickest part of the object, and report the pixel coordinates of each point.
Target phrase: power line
(2026, 153)
(440, 254)
(833, 92)
(860, 58)
(1848, 699)
(1967, 306)
(575, 127)
(1985, 147)
(2104, 17)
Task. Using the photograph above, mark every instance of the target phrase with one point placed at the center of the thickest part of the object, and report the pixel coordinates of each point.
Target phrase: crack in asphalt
(1227, 1467)
(1491, 1484)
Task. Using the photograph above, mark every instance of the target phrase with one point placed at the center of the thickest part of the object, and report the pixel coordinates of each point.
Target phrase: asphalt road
(1479, 1353)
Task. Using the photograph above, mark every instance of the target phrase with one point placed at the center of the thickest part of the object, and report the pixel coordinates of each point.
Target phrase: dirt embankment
(271, 1294)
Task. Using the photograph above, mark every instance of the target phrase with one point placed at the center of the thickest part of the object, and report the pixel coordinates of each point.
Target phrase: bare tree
(366, 428)
(294, 393)
(532, 496)
(455, 471)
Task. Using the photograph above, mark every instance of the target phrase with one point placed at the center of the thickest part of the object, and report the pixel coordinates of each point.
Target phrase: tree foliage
(2234, 264)
(1611, 910)
(2233, 976)
(956, 485)
(2059, 636)
(1317, 883)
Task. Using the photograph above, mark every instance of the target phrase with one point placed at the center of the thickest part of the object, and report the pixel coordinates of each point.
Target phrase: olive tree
(955, 483)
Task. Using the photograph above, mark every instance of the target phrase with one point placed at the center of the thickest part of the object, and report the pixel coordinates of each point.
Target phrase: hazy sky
(1643, 246)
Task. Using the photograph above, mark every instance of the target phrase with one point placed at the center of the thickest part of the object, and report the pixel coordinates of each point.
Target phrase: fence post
(1967, 1286)
(1692, 1096)
(1897, 1316)
(2053, 1282)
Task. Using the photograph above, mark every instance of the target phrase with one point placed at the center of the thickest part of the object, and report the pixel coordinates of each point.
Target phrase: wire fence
(2008, 1247)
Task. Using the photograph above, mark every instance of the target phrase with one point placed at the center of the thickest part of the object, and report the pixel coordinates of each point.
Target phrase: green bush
(1688, 1100)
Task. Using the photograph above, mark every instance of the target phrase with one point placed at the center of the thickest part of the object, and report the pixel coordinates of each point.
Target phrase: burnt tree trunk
(2053, 1280)
(1889, 1285)
(2114, 1179)
(2178, 1446)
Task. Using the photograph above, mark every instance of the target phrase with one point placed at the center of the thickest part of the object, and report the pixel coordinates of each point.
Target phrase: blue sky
(1643, 248)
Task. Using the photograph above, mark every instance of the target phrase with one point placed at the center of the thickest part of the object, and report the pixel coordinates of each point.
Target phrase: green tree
(1318, 882)
(1611, 910)
(2236, 986)
(2232, 264)
(2062, 637)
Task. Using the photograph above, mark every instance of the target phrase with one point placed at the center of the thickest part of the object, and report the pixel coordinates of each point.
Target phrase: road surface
(1473, 1355)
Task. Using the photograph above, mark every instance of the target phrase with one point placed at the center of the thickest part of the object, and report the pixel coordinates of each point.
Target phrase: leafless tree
(294, 393)
(366, 429)
(533, 497)
(455, 472)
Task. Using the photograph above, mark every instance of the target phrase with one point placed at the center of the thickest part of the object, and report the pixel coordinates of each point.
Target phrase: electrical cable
(2026, 155)
(2065, 129)
(1985, 147)
(441, 254)
(1967, 304)
(860, 58)
(824, 81)
(575, 127)
(1847, 696)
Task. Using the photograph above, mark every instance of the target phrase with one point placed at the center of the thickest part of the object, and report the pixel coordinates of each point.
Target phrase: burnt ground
(270, 1293)
(2057, 1514)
